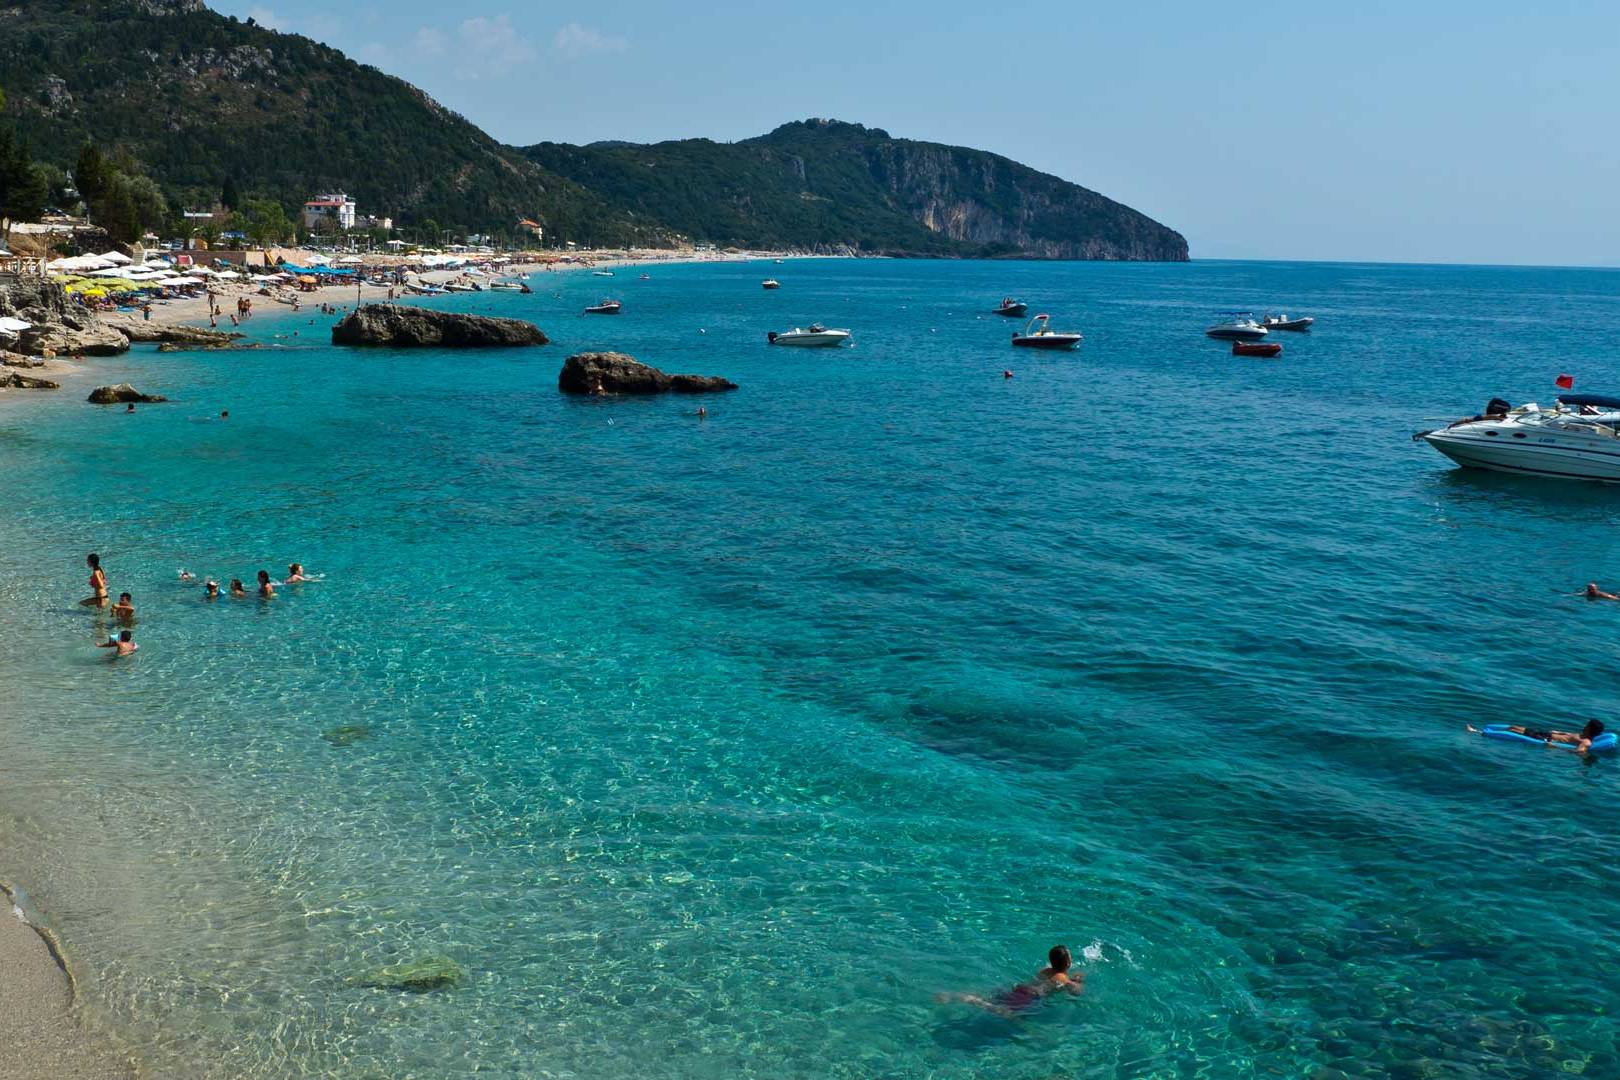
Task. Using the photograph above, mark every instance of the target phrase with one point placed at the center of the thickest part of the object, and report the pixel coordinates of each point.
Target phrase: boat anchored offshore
(1012, 307)
(1237, 326)
(1283, 322)
(1576, 439)
(771, 283)
(1256, 348)
(604, 307)
(813, 335)
(1038, 335)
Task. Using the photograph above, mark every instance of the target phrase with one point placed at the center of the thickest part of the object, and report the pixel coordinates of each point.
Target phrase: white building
(323, 210)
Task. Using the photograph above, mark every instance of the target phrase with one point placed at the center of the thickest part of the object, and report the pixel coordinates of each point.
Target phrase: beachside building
(328, 211)
(533, 228)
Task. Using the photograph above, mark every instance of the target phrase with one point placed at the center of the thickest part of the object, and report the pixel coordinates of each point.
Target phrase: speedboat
(1009, 306)
(771, 283)
(813, 335)
(1256, 348)
(1283, 322)
(601, 273)
(1238, 326)
(1038, 335)
(1577, 439)
(510, 286)
(604, 307)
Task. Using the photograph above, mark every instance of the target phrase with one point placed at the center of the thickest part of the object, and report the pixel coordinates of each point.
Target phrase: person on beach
(1021, 998)
(267, 591)
(1581, 741)
(1592, 592)
(98, 583)
(124, 643)
(211, 590)
(237, 588)
(124, 610)
(146, 312)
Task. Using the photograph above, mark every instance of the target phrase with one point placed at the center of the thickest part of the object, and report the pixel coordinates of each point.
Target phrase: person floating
(1592, 592)
(211, 591)
(267, 591)
(1019, 999)
(124, 643)
(295, 574)
(124, 610)
(98, 583)
(237, 588)
(1580, 741)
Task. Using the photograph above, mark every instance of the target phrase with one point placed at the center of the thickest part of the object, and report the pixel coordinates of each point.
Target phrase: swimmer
(98, 583)
(267, 591)
(224, 414)
(702, 413)
(123, 643)
(124, 610)
(295, 574)
(1592, 592)
(1581, 741)
(1049, 980)
(187, 575)
(211, 591)
(130, 409)
(237, 588)
(1007, 374)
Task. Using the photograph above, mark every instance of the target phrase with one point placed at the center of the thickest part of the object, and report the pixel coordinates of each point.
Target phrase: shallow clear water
(716, 748)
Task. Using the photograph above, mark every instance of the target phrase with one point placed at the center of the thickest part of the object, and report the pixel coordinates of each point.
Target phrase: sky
(1480, 132)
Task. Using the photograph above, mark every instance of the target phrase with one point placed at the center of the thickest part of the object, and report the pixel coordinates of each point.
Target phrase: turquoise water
(716, 748)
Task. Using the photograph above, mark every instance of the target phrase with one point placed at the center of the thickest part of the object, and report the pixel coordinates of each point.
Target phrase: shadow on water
(1500, 491)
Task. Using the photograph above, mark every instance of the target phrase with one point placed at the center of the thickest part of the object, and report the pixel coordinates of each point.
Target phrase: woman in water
(98, 583)
(237, 588)
(1581, 742)
(267, 591)
(1019, 999)
(295, 574)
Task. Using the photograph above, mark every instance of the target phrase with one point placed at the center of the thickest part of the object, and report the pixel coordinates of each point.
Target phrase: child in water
(1019, 999)
(124, 643)
(124, 610)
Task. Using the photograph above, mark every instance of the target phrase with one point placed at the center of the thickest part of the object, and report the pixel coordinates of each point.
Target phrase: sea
(700, 746)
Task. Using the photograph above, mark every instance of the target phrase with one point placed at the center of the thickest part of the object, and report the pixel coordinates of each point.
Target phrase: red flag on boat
(1565, 382)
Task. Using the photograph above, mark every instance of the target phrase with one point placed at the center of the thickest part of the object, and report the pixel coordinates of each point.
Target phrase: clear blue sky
(1379, 131)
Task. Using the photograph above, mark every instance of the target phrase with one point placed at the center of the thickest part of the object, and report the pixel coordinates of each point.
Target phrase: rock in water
(621, 374)
(406, 327)
(346, 734)
(117, 395)
(416, 976)
(26, 382)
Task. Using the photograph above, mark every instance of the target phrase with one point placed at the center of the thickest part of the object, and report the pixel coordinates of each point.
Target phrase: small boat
(601, 273)
(771, 283)
(813, 335)
(604, 307)
(1256, 348)
(1038, 335)
(1576, 439)
(1283, 322)
(510, 286)
(1237, 326)
(425, 290)
(645, 277)
(1014, 308)
(523, 277)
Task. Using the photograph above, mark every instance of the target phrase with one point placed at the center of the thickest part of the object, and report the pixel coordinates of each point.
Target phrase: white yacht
(1576, 439)
(814, 334)
(1238, 326)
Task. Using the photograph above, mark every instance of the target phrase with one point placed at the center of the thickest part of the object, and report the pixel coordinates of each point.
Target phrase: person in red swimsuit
(98, 583)
(1019, 999)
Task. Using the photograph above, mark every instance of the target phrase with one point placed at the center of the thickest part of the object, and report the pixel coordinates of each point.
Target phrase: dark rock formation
(407, 327)
(621, 374)
(346, 734)
(117, 395)
(60, 326)
(140, 330)
(209, 346)
(416, 976)
(18, 360)
(10, 379)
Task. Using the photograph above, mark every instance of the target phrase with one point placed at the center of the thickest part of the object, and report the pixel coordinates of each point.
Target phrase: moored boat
(814, 335)
(1039, 335)
(1577, 439)
(1283, 322)
(771, 283)
(1010, 306)
(1237, 326)
(601, 273)
(604, 307)
(1256, 348)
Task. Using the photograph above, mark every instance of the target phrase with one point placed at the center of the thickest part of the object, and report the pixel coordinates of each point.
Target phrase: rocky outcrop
(12, 380)
(117, 395)
(616, 373)
(18, 360)
(60, 327)
(140, 330)
(210, 346)
(413, 327)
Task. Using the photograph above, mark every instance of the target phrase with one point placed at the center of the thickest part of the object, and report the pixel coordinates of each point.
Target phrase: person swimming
(267, 591)
(124, 610)
(187, 575)
(237, 588)
(124, 643)
(1592, 592)
(295, 574)
(1019, 999)
(211, 591)
(98, 583)
(1581, 741)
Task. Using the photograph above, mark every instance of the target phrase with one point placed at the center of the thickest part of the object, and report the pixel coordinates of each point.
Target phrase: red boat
(1256, 348)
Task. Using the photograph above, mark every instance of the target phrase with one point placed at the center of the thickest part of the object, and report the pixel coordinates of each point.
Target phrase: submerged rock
(621, 374)
(417, 976)
(209, 346)
(117, 395)
(346, 734)
(410, 327)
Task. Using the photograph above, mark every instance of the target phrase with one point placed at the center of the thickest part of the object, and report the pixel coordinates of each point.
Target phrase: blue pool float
(1606, 743)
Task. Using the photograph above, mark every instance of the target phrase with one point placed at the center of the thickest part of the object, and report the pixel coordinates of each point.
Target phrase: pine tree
(23, 189)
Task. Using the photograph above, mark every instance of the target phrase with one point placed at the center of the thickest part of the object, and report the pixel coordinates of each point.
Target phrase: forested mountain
(203, 103)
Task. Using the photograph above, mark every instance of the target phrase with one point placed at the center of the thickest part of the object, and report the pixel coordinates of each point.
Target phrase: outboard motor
(770, 337)
(1497, 407)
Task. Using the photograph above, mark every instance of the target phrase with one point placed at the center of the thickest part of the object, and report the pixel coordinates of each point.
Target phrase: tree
(263, 221)
(229, 197)
(22, 186)
(91, 174)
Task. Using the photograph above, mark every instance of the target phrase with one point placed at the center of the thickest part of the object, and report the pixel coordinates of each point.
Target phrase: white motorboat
(813, 335)
(1576, 439)
(1039, 335)
(1238, 326)
(1283, 322)
(771, 283)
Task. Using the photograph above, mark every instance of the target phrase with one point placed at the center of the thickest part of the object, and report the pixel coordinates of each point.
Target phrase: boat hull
(1296, 325)
(600, 310)
(1538, 454)
(1047, 341)
(1235, 333)
(1256, 348)
(810, 341)
(1014, 311)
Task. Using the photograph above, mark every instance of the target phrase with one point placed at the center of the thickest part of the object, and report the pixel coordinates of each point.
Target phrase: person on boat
(124, 610)
(1581, 741)
(124, 643)
(295, 574)
(267, 591)
(1594, 593)
(211, 590)
(237, 588)
(98, 583)
(1021, 998)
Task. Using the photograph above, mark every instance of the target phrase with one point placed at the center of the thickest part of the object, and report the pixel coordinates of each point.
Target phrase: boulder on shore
(11, 380)
(170, 333)
(617, 373)
(87, 338)
(117, 395)
(411, 327)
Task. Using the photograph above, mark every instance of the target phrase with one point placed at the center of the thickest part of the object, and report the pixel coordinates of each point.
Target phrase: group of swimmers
(124, 610)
